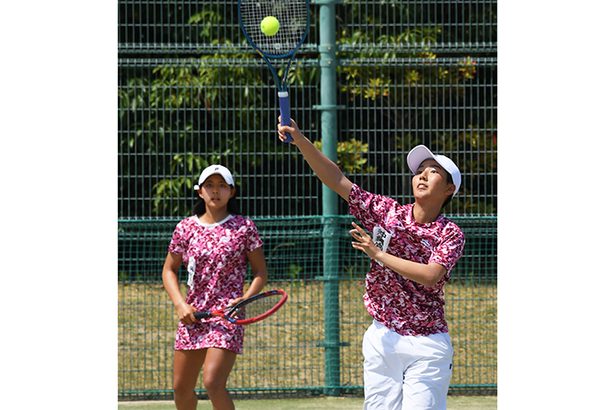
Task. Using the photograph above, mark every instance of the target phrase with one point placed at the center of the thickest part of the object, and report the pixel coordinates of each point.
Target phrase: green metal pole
(328, 96)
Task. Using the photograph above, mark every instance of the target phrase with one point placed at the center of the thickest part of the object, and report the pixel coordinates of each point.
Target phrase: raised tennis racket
(251, 310)
(293, 17)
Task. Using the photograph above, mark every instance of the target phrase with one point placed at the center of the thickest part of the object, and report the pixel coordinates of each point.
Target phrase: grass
(285, 351)
(329, 403)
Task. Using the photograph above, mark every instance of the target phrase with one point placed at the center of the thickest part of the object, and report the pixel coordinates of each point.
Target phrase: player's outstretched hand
(292, 129)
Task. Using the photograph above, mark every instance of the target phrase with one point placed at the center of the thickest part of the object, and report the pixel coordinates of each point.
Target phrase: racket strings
(257, 307)
(292, 16)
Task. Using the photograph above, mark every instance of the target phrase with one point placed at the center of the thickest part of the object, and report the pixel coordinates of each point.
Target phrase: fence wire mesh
(192, 93)
(285, 353)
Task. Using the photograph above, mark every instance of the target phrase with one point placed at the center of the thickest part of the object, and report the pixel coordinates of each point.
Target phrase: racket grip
(285, 112)
(201, 315)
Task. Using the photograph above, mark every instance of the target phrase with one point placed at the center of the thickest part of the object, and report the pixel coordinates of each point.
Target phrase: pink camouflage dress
(215, 257)
(401, 304)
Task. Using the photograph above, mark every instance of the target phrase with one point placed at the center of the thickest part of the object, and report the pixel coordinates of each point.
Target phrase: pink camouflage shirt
(215, 257)
(401, 304)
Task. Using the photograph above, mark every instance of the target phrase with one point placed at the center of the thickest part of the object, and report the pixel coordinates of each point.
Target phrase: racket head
(294, 18)
(257, 307)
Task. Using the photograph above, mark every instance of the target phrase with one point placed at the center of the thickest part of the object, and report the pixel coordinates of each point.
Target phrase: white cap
(215, 169)
(420, 153)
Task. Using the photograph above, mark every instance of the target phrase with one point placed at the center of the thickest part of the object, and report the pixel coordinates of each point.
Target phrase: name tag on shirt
(191, 270)
(381, 239)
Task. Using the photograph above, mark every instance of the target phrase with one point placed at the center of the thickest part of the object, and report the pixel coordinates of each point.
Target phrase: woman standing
(214, 245)
(408, 355)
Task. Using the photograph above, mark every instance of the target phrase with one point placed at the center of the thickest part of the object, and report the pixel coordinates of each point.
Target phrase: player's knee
(182, 389)
(213, 384)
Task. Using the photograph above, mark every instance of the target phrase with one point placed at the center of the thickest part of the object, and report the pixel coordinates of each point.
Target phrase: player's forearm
(170, 278)
(257, 285)
(425, 274)
(171, 285)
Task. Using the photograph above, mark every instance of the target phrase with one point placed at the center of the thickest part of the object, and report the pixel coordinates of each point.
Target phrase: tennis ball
(270, 26)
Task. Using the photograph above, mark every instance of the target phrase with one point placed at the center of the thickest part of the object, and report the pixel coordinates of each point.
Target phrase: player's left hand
(235, 301)
(363, 242)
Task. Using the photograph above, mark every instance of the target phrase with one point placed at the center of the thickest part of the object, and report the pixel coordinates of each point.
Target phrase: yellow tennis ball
(270, 26)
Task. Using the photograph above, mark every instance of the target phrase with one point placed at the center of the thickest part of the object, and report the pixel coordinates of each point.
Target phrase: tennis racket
(294, 21)
(252, 310)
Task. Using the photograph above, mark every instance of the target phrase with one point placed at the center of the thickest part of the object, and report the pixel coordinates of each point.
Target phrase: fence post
(328, 107)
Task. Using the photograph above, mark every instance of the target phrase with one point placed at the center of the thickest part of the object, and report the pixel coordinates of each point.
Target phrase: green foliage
(294, 271)
(209, 21)
(164, 111)
(179, 117)
(467, 68)
(350, 156)
(379, 79)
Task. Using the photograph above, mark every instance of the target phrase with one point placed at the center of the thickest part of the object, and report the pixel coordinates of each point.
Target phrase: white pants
(405, 372)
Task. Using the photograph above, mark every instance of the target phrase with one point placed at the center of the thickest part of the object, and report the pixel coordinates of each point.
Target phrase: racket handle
(285, 112)
(201, 315)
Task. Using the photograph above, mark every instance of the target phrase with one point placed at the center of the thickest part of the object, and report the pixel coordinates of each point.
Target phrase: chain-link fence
(192, 93)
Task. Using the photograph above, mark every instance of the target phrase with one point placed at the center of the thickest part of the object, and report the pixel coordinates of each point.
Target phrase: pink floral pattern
(401, 304)
(219, 254)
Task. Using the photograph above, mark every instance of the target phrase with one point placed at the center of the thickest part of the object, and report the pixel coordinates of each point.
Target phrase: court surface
(327, 403)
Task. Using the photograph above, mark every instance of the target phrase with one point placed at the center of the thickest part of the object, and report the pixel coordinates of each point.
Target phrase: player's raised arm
(326, 170)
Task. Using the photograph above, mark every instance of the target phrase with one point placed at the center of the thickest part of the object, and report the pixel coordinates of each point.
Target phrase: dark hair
(232, 206)
(449, 179)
